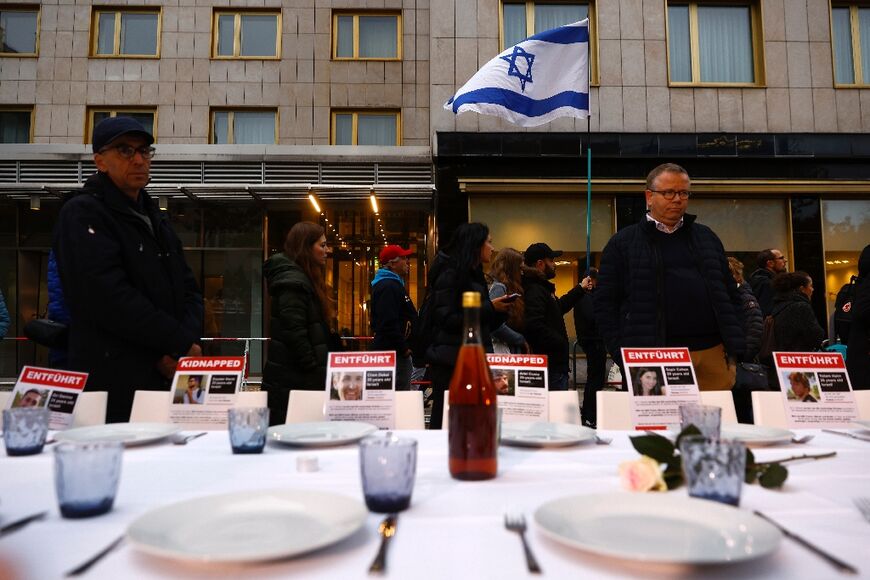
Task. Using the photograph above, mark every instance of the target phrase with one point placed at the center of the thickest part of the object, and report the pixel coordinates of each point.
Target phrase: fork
(863, 505)
(180, 439)
(517, 523)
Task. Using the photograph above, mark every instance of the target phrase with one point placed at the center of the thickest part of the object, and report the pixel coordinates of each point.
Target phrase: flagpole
(589, 156)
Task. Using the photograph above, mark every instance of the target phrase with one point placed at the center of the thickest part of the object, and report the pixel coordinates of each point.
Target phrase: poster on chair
(521, 382)
(361, 386)
(659, 381)
(203, 389)
(57, 391)
(815, 389)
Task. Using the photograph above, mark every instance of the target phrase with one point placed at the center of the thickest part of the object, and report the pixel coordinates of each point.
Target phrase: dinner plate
(657, 527)
(544, 434)
(862, 424)
(756, 435)
(249, 526)
(320, 434)
(127, 433)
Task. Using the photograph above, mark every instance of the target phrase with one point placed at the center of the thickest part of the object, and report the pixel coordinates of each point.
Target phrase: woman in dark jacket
(452, 273)
(796, 328)
(300, 310)
(858, 355)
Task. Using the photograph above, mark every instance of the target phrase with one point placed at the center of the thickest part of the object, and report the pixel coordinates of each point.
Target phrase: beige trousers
(713, 370)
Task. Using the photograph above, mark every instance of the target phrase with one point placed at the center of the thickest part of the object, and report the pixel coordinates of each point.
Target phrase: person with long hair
(300, 314)
(456, 270)
(505, 277)
(796, 328)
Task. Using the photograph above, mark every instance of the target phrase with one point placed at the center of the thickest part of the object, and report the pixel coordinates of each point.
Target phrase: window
(16, 125)
(714, 43)
(244, 127)
(366, 128)
(125, 33)
(146, 116)
(851, 28)
(246, 35)
(520, 20)
(19, 31)
(369, 36)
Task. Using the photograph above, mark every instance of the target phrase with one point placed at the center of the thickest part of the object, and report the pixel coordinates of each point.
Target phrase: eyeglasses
(127, 151)
(670, 194)
(783, 258)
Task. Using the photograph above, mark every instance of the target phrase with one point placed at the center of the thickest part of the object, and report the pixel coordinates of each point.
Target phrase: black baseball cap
(110, 129)
(539, 251)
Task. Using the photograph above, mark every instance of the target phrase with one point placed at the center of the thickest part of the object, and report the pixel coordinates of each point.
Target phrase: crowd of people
(663, 282)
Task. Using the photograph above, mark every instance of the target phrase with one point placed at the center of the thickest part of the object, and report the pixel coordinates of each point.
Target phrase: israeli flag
(540, 79)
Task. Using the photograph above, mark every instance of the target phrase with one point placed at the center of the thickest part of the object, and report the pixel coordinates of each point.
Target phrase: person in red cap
(392, 311)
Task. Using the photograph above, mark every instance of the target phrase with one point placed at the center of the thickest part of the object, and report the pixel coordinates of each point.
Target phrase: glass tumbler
(247, 427)
(714, 468)
(86, 477)
(24, 430)
(388, 466)
(707, 418)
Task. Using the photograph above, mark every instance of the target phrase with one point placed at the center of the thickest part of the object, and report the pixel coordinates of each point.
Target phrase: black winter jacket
(299, 335)
(445, 283)
(858, 355)
(392, 314)
(796, 328)
(753, 322)
(629, 299)
(584, 318)
(544, 318)
(760, 282)
(131, 295)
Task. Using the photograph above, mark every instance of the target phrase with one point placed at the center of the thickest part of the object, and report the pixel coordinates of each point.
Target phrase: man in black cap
(135, 306)
(543, 317)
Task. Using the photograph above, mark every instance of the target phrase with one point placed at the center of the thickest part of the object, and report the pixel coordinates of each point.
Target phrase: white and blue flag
(540, 79)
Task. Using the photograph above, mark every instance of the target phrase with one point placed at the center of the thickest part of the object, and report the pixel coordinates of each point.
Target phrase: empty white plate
(544, 434)
(249, 526)
(127, 433)
(321, 433)
(862, 424)
(657, 527)
(756, 435)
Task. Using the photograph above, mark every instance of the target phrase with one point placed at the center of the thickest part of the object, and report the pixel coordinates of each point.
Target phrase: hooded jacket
(796, 328)
(392, 312)
(858, 355)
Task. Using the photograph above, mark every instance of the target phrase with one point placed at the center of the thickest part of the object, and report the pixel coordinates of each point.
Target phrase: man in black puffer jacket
(664, 282)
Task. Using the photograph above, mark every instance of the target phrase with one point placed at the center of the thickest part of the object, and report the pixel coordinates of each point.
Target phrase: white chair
(4, 400)
(252, 399)
(613, 409)
(723, 399)
(564, 407)
(409, 410)
(150, 407)
(862, 398)
(768, 409)
(305, 406)
(91, 409)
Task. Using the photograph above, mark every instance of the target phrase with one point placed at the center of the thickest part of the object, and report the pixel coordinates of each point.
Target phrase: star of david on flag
(533, 82)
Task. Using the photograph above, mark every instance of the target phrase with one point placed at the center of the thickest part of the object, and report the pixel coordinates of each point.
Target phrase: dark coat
(447, 287)
(584, 318)
(629, 299)
(131, 296)
(858, 355)
(544, 318)
(795, 328)
(392, 314)
(760, 282)
(299, 334)
(753, 322)
(5, 320)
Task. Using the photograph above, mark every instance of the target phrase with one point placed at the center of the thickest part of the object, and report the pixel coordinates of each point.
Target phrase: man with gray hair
(665, 282)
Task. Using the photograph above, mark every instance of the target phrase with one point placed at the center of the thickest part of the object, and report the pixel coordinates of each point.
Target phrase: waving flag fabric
(540, 79)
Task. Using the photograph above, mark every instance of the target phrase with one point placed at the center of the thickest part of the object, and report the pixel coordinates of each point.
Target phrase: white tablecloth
(452, 530)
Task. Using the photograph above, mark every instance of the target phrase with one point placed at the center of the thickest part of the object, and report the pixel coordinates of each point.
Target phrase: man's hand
(195, 350)
(166, 366)
(500, 305)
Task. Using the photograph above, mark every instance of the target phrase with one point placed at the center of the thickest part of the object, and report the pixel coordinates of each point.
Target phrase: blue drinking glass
(247, 427)
(388, 466)
(86, 477)
(24, 430)
(707, 418)
(714, 468)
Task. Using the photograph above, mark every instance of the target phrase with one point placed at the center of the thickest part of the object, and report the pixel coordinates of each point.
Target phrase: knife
(18, 524)
(847, 434)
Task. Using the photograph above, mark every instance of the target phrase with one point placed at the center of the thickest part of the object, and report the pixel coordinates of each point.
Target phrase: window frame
(756, 32)
(230, 127)
(857, 64)
(24, 8)
(356, 14)
(217, 12)
(116, 43)
(355, 124)
(22, 109)
(530, 28)
(113, 112)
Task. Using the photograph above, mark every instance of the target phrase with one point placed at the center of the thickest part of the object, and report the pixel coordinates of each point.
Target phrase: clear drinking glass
(714, 468)
(24, 430)
(247, 427)
(707, 418)
(86, 477)
(388, 466)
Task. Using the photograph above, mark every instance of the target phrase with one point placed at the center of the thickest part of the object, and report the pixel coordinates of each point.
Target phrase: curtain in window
(376, 130)
(106, 33)
(258, 35)
(844, 69)
(254, 128)
(378, 36)
(18, 31)
(864, 32)
(221, 128)
(344, 42)
(549, 16)
(138, 33)
(344, 129)
(514, 24)
(14, 127)
(679, 44)
(725, 37)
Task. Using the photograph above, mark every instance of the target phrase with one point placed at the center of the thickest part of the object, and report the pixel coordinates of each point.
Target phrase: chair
(768, 409)
(409, 410)
(305, 406)
(252, 399)
(564, 407)
(862, 398)
(150, 407)
(613, 410)
(91, 409)
(4, 400)
(723, 399)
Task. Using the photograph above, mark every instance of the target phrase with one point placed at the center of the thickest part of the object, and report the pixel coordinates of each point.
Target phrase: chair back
(252, 399)
(723, 399)
(862, 398)
(614, 410)
(4, 400)
(91, 409)
(150, 407)
(305, 406)
(768, 409)
(564, 407)
(409, 410)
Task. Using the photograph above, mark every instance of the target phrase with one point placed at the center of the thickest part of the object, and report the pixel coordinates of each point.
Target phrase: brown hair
(801, 378)
(786, 282)
(507, 269)
(298, 247)
(736, 267)
(663, 168)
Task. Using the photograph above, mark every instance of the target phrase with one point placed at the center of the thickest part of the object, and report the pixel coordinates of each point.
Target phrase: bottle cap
(471, 299)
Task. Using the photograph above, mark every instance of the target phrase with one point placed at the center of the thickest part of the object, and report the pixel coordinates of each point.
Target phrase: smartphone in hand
(511, 297)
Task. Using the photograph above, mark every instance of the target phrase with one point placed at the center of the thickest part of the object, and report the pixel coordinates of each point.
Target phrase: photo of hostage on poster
(361, 387)
(816, 391)
(659, 381)
(49, 388)
(521, 381)
(203, 389)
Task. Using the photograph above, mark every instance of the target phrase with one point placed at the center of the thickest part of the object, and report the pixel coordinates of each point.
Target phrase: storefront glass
(846, 231)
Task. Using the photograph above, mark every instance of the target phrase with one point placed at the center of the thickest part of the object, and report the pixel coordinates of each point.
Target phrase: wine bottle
(473, 419)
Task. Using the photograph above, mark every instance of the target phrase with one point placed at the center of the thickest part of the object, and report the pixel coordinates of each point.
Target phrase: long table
(452, 530)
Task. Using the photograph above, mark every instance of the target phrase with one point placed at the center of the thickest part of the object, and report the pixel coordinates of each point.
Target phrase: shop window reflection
(846, 230)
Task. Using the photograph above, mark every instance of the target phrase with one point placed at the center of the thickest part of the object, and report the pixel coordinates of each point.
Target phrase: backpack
(843, 310)
(768, 338)
(422, 331)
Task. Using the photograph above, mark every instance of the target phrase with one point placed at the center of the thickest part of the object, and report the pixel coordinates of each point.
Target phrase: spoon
(804, 439)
